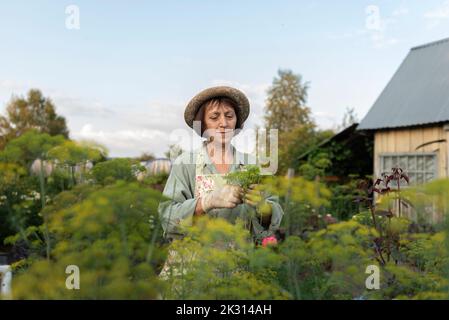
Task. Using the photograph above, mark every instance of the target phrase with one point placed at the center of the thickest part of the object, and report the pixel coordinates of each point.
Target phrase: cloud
(326, 120)
(66, 104)
(76, 107)
(348, 35)
(401, 11)
(125, 142)
(155, 115)
(130, 130)
(438, 14)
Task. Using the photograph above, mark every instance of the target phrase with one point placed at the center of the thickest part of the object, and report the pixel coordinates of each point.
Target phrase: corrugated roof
(418, 93)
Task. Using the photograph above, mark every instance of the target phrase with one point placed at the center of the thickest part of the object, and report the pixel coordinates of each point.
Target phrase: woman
(196, 185)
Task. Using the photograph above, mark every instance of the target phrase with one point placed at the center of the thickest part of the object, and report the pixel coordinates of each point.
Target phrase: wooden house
(410, 118)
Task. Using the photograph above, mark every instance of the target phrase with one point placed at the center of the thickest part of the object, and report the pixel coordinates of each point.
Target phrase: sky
(121, 72)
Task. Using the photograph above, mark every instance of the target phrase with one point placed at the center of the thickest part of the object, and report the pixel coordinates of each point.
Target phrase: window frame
(406, 170)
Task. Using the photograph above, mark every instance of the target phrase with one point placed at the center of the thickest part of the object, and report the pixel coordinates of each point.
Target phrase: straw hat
(240, 99)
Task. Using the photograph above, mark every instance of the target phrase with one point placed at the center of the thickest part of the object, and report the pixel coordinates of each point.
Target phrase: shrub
(109, 233)
(108, 172)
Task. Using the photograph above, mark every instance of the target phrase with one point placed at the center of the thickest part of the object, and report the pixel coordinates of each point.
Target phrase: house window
(420, 167)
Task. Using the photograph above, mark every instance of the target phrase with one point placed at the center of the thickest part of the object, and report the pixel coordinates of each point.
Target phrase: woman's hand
(254, 198)
(227, 197)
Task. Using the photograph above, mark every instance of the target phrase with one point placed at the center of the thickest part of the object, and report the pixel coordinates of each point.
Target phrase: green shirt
(180, 189)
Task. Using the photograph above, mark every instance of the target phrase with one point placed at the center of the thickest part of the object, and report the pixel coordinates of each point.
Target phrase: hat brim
(241, 101)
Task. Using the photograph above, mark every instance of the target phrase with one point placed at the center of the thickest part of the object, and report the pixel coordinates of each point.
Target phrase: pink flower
(269, 241)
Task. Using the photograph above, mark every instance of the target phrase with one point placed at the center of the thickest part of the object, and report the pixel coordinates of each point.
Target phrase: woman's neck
(219, 153)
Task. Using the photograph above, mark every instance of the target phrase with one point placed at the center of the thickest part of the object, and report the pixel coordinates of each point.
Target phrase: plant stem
(44, 215)
(371, 208)
(399, 196)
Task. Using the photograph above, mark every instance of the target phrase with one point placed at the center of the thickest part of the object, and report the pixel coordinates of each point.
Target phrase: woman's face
(220, 121)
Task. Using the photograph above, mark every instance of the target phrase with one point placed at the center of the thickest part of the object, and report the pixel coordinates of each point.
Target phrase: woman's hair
(212, 102)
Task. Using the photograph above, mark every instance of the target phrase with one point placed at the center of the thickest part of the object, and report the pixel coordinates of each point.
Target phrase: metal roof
(418, 93)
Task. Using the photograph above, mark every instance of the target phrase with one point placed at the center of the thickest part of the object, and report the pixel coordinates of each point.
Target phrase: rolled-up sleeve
(179, 209)
(276, 213)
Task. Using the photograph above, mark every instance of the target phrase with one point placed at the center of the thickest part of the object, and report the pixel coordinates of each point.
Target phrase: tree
(32, 112)
(146, 156)
(349, 118)
(17, 200)
(286, 111)
(285, 108)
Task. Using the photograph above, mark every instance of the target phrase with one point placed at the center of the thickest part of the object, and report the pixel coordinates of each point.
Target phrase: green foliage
(22, 207)
(405, 283)
(108, 233)
(425, 252)
(146, 156)
(302, 201)
(33, 112)
(116, 169)
(289, 150)
(110, 229)
(343, 205)
(156, 181)
(330, 265)
(286, 111)
(298, 189)
(286, 100)
(19, 202)
(415, 264)
(316, 166)
(72, 152)
(393, 225)
(429, 197)
(250, 175)
(30, 146)
(347, 155)
(215, 261)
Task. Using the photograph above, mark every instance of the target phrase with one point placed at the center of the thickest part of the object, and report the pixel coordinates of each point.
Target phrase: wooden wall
(407, 140)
